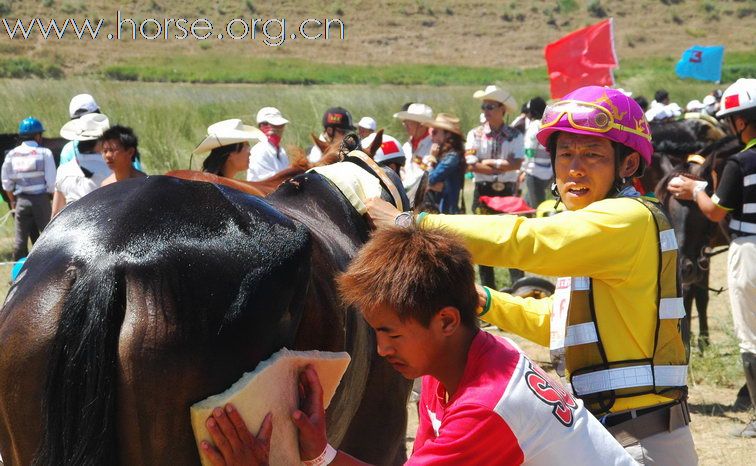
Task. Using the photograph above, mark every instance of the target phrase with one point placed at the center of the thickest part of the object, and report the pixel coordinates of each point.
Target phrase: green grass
(209, 68)
(225, 69)
(25, 68)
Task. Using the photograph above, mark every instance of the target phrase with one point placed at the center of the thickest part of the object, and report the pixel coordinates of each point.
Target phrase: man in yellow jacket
(615, 318)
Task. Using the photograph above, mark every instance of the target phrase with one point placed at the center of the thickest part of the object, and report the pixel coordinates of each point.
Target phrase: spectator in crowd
(446, 177)
(366, 126)
(228, 144)
(87, 170)
(538, 171)
(662, 109)
(418, 146)
(494, 153)
(337, 122)
(119, 149)
(28, 177)
(268, 157)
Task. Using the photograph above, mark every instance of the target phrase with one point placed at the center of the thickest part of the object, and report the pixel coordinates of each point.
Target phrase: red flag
(581, 58)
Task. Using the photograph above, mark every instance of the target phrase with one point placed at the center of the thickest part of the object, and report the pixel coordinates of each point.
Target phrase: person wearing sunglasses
(494, 152)
(614, 322)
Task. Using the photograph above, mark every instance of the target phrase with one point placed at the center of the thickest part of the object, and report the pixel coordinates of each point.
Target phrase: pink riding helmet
(599, 111)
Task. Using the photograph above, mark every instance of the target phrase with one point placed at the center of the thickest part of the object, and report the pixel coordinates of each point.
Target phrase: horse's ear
(422, 187)
(322, 145)
(298, 157)
(376, 144)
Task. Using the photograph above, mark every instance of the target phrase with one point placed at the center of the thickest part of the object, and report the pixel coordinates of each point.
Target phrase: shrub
(596, 9)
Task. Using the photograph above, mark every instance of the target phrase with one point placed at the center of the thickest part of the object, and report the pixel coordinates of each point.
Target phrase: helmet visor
(585, 116)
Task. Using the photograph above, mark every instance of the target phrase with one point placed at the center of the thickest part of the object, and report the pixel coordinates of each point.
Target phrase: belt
(633, 426)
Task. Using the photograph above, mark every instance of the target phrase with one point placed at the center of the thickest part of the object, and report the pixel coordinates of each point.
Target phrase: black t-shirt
(730, 189)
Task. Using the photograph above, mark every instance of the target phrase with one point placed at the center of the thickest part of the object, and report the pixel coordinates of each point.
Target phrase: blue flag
(702, 63)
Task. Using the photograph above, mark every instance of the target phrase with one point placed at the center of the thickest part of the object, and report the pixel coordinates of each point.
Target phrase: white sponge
(273, 388)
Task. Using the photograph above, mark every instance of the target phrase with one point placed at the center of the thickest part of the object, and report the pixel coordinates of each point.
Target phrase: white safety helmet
(389, 152)
(738, 97)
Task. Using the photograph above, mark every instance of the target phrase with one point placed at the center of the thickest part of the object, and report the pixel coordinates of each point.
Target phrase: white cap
(271, 115)
(694, 105)
(368, 123)
(709, 100)
(81, 105)
(416, 112)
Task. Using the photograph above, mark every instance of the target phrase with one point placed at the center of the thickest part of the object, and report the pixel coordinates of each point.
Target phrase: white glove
(471, 159)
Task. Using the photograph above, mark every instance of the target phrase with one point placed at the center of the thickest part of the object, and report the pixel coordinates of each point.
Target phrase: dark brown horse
(674, 141)
(696, 235)
(154, 293)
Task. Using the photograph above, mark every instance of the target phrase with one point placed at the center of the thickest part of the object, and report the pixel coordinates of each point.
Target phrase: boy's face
(412, 349)
(584, 167)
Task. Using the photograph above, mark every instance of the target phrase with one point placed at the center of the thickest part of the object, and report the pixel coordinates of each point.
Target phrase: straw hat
(498, 94)
(420, 113)
(228, 132)
(87, 128)
(446, 122)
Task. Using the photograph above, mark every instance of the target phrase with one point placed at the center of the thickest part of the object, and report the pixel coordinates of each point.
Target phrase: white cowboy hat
(271, 115)
(87, 128)
(420, 113)
(228, 132)
(498, 94)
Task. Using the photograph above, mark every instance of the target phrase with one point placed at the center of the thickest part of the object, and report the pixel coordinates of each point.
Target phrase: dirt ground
(710, 404)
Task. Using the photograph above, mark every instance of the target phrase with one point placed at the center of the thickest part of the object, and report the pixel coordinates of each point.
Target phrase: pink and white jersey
(507, 411)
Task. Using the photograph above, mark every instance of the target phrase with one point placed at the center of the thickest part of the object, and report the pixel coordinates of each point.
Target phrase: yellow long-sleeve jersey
(613, 241)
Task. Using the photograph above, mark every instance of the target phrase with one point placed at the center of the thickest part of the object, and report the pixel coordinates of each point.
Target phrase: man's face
(411, 349)
(584, 167)
(412, 127)
(363, 132)
(493, 111)
(269, 129)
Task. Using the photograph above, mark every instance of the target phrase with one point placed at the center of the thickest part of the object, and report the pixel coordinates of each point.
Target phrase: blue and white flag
(702, 63)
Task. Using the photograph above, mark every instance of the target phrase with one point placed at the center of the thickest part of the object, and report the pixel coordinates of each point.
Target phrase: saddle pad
(356, 184)
(273, 387)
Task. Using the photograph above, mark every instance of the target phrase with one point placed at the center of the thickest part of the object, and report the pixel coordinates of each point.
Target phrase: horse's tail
(79, 402)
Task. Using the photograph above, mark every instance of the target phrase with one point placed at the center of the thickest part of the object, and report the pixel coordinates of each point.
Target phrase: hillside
(504, 35)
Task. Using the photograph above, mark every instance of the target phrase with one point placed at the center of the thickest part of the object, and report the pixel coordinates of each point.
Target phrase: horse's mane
(676, 138)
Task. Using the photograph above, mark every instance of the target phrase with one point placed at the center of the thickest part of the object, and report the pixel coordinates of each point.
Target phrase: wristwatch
(404, 220)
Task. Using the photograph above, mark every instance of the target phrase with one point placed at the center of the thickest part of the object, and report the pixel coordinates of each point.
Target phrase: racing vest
(28, 169)
(743, 220)
(576, 337)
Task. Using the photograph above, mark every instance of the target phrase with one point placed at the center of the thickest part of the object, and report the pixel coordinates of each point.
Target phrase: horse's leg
(377, 432)
(685, 324)
(702, 304)
(27, 329)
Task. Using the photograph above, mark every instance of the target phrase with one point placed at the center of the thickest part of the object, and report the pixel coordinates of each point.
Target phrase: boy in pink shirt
(483, 401)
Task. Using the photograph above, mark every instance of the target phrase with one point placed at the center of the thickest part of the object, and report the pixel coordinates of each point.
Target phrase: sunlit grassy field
(171, 118)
